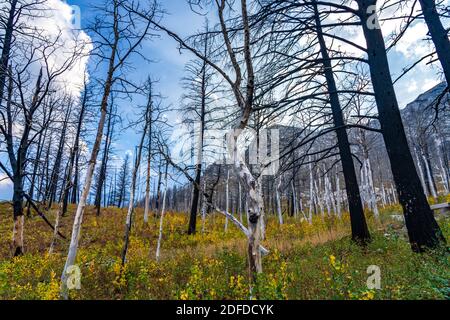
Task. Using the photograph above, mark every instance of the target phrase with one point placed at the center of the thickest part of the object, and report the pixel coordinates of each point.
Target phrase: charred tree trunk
(147, 182)
(6, 47)
(104, 164)
(76, 230)
(423, 230)
(198, 167)
(37, 158)
(129, 220)
(439, 35)
(57, 165)
(18, 163)
(360, 232)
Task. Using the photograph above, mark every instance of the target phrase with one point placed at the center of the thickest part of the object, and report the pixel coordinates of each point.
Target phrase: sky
(168, 65)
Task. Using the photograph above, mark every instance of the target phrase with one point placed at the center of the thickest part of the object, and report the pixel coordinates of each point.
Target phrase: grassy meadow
(306, 261)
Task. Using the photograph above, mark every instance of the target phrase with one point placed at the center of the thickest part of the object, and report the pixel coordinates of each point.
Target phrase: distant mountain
(428, 100)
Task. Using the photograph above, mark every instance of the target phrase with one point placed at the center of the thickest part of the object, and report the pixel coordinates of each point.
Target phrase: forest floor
(306, 261)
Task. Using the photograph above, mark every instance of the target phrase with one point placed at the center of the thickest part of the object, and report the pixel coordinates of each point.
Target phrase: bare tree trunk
(18, 163)
(360, 231)
(76, 230)
(240, 201)
(338, 196)
(6, 46)
(311, 192)
(137, 164)
(278, 199)
(423, 230)
(158, 191)
(129, 220)
(57, 165)
(204, 205)
(430, 178)
(40, 147)
(104, 163)
(196, 191)
(161, 218)
(147, 181)
(227, 199)
(422, 176)
(439, 35)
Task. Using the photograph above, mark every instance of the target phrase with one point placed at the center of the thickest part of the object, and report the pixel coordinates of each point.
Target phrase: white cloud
(4, 180)
(53, 21)
(412, 86)
(411, 44)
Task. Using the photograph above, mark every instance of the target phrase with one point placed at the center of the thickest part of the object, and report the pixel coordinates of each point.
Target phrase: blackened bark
(40, 147)
(103, 166)
(438, 34)
(17, 211)
(57, 166)
(423, 230)
(360, 231)
(75, 152)
(6, 47)
(210, 196)
(198, 167)
(195, 199)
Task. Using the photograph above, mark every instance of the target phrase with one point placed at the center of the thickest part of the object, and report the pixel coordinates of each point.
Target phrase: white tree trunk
(368, 194)
(373, 195)
(294, 199)
(227, 200)
(161, 220)
(444, 177)
(319, 198)
(383, 195)
(329, 201)
(147, 192)
(430, 179)
(394, 196)
(17, 234)
(55, 230)
(311, 192)
(442, 165)
(240, 201)
(73, 247)
(421, 174)
(204, 207)
(338, 197)
(262, 216)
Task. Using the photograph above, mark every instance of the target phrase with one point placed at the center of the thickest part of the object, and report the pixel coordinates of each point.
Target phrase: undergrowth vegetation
(306, 261)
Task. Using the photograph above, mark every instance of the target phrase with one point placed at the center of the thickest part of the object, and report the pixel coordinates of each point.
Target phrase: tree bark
(439, 35)
(161, 218)
(76, 230)
(423, 230)
(104, 164)
(137, 164)
(6, 47)
(57, 165)
(360, 231)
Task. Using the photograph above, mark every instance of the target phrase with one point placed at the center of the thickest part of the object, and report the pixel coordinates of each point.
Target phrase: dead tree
(119, 36)
(146, 119)
(439, 35)
(423, 230)
(243, 90)
(360, 232)
(104, 164)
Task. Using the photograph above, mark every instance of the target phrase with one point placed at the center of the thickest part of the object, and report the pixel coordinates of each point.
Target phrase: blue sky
(169, 65)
